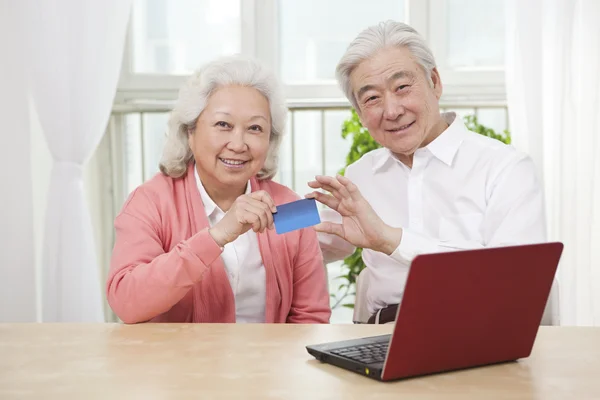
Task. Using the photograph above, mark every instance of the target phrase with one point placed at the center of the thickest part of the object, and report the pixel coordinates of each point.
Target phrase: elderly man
(434, 186)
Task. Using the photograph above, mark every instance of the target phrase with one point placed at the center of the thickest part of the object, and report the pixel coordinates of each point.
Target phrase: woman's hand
(361, 226)
(249, 211)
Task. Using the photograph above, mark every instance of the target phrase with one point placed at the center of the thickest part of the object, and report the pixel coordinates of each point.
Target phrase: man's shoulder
(492, 156)
(484, 147)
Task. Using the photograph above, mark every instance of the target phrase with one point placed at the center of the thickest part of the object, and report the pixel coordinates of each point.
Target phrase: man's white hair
(194, 95)
(374, 38)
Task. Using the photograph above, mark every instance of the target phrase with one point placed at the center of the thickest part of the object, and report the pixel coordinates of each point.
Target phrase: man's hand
(360, 226)
(249, 211)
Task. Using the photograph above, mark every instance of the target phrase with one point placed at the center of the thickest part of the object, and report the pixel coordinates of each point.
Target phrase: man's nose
(392, 107)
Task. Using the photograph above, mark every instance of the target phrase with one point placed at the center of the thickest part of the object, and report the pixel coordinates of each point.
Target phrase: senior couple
(196, 242)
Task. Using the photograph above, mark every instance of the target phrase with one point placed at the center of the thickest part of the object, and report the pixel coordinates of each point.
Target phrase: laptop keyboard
(367, 353)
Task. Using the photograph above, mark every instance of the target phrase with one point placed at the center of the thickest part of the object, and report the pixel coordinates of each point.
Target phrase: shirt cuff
(411, 245)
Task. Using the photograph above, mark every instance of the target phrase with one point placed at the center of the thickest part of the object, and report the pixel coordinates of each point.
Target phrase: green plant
(362, 143)
(473, 124)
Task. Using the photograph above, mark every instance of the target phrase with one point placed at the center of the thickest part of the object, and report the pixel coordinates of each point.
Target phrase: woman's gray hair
(374, 38)
(194, 95)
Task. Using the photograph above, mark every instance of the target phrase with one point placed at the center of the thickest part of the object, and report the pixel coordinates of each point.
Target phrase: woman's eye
(370, 99)
(223, 124)
(256, 128)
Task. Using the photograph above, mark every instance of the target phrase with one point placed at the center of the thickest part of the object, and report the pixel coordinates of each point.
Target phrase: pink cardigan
(166, 267)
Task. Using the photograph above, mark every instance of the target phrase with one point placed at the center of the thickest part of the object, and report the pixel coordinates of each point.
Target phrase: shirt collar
(209, 205)
(444, 147)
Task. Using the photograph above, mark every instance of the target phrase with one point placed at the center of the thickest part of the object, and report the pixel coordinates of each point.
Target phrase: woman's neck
(222, 195)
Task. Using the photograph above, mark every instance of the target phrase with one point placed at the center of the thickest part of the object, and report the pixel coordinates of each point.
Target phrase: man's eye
(402, 87)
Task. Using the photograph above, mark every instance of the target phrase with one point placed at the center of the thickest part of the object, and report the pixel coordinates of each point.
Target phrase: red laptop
(459, 310)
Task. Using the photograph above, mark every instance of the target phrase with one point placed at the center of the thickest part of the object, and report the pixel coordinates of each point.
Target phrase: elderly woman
(196, 243)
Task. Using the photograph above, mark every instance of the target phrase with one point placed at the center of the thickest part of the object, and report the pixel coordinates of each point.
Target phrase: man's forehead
(367, 81)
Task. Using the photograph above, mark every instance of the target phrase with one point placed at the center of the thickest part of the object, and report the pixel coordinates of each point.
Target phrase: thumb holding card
(249, 211)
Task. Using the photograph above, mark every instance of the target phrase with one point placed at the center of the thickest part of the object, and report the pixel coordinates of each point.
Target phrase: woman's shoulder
(155, 191)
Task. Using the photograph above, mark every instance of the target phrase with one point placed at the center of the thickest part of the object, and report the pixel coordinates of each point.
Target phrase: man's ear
(436, 82)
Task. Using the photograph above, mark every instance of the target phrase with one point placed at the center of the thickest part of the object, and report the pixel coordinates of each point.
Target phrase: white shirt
(464, 191)
(243, 264)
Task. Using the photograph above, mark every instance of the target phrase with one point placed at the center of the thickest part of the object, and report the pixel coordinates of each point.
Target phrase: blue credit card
(296, 215)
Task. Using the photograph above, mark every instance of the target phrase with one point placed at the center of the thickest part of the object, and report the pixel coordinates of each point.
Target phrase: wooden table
(204, 361)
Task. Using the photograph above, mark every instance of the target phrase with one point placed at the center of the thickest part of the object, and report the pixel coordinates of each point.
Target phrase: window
(174, 37)
(475, 34)
(467, 39)
(315, 33)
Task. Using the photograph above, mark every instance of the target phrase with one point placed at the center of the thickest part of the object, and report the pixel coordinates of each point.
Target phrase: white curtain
(75, 48)
(553, 91)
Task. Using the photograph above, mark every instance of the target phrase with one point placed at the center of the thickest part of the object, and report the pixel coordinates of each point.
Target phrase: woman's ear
(190, 137)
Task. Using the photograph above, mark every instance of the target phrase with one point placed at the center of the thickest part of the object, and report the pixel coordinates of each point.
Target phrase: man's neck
(436, 130)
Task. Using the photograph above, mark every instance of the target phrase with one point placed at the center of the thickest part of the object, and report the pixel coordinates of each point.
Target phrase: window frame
(260, 38)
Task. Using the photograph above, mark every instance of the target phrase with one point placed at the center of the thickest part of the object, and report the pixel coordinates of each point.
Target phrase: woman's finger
(265, 197)
(261, 211)
(267, 210)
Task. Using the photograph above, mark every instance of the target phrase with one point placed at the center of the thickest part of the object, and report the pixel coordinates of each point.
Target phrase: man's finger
(350, 187)
(330, 181)
(329, 189)
(331, 228)
(326, 199)
(333, 186)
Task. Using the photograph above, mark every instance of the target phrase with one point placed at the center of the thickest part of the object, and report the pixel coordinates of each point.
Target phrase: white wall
(17, 287)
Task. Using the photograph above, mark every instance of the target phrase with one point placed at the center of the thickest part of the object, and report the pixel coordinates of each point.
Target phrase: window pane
(308, 149)
(155, 135)
(175, 37)
(285, 170)
(315, 33)
(132, 153)
(475, 33)
(494, 118)
(336, 147)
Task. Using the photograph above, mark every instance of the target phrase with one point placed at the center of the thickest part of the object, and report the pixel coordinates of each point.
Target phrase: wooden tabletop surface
(263, 361)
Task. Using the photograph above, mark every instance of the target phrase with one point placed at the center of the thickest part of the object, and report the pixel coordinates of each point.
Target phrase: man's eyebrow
(396, 76)
(364, 89)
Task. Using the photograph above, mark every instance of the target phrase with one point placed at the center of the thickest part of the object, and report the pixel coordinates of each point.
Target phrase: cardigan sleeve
(310, 301)
(144, 281)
